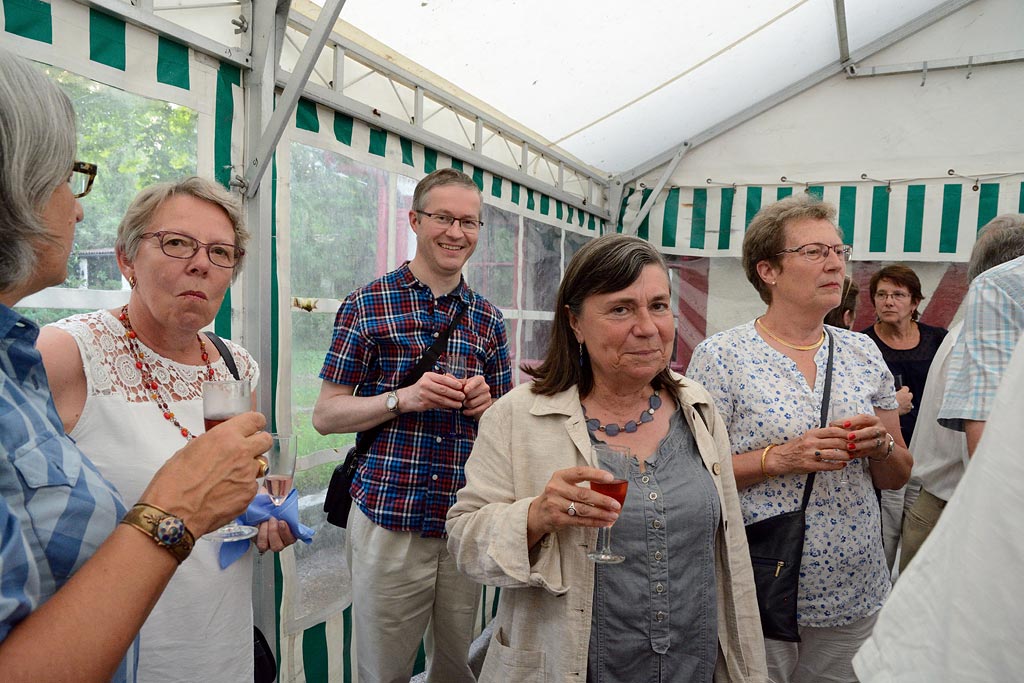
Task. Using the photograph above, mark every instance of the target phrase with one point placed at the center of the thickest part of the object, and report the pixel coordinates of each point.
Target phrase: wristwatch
(168, 531)
(391, 402)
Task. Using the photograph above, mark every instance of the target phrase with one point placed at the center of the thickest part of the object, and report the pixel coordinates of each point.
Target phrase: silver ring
(572, 509)
(878, 443)
(817, 455)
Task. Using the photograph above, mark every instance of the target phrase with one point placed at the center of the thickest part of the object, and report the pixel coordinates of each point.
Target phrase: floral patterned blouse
(764, 399)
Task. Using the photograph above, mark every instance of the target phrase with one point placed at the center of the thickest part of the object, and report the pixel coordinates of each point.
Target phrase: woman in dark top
(907, 345)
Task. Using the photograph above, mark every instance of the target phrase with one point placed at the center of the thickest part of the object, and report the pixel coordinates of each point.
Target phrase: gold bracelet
(764, 454)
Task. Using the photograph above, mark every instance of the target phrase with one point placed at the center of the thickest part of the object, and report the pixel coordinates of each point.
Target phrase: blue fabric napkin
(260, 510)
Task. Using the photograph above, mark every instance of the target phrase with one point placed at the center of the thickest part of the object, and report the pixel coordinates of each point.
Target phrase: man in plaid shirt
(404, 584)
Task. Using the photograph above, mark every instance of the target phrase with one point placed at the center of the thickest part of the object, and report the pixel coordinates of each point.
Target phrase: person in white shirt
(971, 560)
(940, 454)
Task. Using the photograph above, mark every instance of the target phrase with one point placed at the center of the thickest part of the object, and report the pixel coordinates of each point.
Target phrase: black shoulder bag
(777, 546)
(264, 663)
(338, 500)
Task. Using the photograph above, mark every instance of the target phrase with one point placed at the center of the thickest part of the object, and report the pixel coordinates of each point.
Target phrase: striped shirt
(993, 322)
(414, 468)
(56, 509)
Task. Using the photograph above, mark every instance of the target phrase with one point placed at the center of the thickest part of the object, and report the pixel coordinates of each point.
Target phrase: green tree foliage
(136, 142)
(338, 209)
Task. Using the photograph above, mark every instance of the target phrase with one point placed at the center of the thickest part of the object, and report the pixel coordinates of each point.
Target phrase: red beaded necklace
(147, 375)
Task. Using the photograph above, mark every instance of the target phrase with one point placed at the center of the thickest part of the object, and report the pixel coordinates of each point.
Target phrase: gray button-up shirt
(654, 616)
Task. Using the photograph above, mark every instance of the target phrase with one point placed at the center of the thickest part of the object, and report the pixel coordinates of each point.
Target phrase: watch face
(170, 531)
(391, 402)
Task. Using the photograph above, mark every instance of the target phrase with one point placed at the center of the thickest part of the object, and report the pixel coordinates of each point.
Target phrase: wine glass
(835, 416)
(280, 467)
(223, 400)
(614, 459)
(461, 366)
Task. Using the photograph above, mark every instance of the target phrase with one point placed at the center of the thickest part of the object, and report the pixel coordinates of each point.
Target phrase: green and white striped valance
(323, 127)
(930, 221)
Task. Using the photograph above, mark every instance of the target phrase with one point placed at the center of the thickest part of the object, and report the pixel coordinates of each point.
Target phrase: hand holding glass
(281, 467)
(223, 400)
(614, 459)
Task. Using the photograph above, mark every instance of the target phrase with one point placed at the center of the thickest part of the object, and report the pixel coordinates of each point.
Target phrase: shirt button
(436, 335)
(660, 588)
(659, 616)
(657, 555)
(437, 439)
(645, 479)
(433, 477)
(653, 495)
(716, 468)
(656, 524)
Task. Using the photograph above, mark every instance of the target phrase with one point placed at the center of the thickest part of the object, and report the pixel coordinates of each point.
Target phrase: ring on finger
(878, 443)
(263, 468)
(571, 511)
(817, 455)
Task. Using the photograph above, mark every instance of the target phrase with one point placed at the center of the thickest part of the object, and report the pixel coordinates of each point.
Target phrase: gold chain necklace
(785, 343)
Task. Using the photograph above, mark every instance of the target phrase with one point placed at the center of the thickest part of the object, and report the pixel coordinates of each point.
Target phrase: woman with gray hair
(73, 580)
(681, 606)
(769, 380)
(128, 386)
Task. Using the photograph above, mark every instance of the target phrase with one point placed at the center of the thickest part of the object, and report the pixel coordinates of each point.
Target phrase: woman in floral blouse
(767, 377)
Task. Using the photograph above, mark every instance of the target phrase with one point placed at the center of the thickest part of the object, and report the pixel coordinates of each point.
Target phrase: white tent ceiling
(615, 84)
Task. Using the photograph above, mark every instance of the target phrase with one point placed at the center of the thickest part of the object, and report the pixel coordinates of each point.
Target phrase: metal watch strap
(167, 530)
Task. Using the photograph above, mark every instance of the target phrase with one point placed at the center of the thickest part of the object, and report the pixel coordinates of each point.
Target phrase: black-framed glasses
(176, 245)
(816, 251)
(444, 219)
(898, 297)
(82, 177)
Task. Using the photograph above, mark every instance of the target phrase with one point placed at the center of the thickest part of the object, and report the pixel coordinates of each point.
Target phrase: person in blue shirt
(72, 579)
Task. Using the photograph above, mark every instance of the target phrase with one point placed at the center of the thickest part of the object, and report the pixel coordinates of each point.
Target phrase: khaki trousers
(918, 522)
(405, 589)
(824, 655)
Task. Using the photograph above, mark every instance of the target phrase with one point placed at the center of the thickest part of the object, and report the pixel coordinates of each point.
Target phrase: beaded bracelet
(764, 454)
(888, 451)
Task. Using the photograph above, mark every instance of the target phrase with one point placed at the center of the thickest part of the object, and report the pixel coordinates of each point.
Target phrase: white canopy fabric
(613, 83)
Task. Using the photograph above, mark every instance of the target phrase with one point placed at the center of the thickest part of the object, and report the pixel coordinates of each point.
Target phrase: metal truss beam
(666, 174)
(937, 64)
(841, 35)
(260, 161)
(364, 112)
(478, 116)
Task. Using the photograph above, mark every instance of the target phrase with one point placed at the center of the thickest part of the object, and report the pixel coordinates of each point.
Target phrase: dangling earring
(132, 281)
(581, 354)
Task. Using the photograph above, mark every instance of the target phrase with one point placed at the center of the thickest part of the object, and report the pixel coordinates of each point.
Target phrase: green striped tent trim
(929, 221)
(320, 126)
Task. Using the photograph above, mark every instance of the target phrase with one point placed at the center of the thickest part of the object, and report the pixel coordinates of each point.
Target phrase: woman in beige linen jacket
(510, 526)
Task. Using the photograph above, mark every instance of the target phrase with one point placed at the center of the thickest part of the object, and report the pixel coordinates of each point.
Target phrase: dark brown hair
(607, 264)
(901, 275)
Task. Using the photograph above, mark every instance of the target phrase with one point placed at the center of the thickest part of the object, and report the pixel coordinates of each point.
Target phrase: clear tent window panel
(491, 270)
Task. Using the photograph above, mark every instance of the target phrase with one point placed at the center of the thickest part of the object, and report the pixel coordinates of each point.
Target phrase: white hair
(37, 151)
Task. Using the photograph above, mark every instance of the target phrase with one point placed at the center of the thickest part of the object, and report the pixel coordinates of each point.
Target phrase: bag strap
(825, 400)
(222, 348)
(426, 361)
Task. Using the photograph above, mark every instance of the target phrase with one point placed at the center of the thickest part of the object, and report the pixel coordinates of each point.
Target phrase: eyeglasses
(469, 224)
(816, 251)
(176, 245)
(898, 297)
(82, 177)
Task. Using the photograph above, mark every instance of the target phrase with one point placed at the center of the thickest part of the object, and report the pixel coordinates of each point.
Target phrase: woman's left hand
(274, 534)
(866, 436)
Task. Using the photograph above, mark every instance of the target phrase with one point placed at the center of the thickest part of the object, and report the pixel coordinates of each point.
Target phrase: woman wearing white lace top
(127, 384)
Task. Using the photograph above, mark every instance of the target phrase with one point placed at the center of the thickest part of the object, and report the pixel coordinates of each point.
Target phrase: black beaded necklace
(612, 429)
